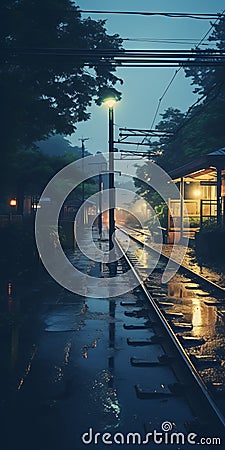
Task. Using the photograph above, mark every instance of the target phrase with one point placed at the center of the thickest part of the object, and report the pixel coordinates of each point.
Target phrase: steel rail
(212, 284)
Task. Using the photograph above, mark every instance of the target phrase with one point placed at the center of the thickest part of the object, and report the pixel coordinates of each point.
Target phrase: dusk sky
(143, 87)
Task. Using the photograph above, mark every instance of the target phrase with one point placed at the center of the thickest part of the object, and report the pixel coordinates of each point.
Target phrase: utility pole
(100, 206)
(82, 156)
(111, 180)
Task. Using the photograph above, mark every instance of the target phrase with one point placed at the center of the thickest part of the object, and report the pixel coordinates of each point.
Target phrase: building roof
(214, 159)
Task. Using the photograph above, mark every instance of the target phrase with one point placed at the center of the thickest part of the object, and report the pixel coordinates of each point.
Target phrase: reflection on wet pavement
(200, 308)
(69, 367)
(28, 368)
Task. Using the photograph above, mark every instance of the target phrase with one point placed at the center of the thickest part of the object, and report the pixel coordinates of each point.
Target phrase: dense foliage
(48, 94)
(201, 129)
(45, 95)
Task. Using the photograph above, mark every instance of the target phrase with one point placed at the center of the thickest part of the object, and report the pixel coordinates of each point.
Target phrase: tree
(43, 95)
(58, 145)
(171, 119)
(30, 172)
(210, 81)
(198, 131)
(202, 128)
(170, 154)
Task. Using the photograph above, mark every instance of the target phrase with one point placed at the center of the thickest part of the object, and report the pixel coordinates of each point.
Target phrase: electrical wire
(163, 95)
(178, 70)
(117, 56)
(188, 119)
(201, 16)
(164, 41)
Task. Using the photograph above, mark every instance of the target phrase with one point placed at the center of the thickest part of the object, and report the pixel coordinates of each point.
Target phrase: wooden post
(218, 196)
(181, 208)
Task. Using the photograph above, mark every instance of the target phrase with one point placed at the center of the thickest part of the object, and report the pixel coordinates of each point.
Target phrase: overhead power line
(165, 41)
(118, 58)
(178, 70)
(163, 95)
(201, 16)
(188, 118)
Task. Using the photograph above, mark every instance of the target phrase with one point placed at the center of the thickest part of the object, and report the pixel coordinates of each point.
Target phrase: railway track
(152, 323)
(182, 266)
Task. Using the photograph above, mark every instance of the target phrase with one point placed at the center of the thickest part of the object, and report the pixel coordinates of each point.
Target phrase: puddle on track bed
(200, 308)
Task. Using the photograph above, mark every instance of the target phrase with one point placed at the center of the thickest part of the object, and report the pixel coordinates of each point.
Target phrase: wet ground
(201, 307)
(65, 365)
(214, 274)
(211, 271)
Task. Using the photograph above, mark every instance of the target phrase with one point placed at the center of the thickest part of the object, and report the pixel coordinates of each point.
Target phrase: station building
(202, 187)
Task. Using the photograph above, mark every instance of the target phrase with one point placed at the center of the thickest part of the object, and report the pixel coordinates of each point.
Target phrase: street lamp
(110, 103)
(12, 204)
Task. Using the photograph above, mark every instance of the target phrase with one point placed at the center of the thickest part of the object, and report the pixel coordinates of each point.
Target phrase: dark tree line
(49, 94)
(198, 131)
(46, 95)
(201, 129)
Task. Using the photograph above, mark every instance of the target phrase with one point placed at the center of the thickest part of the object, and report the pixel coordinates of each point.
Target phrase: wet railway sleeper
(202, 292)
(195, 278)
(173, 373)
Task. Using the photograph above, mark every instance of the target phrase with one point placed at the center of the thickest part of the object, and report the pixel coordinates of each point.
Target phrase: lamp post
(102, 166)
(12, 204)
(110, 102)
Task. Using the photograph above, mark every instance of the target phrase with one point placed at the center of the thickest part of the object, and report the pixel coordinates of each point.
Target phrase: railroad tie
(191, 341)
(162, 360)
(136, 303)
(159, 391)
(138, 327)
(154, 339)
(138, 313)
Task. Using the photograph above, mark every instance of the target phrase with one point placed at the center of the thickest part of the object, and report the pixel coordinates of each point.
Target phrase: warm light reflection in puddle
(9, 288)
(203, 317)
(85, 348)
(28, 368)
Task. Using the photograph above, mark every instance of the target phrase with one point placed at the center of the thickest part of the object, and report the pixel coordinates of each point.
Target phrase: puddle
(199, 308)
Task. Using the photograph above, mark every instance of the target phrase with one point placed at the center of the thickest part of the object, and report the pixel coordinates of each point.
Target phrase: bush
(210, 243)
(18, 247)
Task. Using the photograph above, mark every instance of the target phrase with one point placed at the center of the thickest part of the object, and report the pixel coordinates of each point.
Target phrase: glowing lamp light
(13, 202)
(110, 102)
(197, 193)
